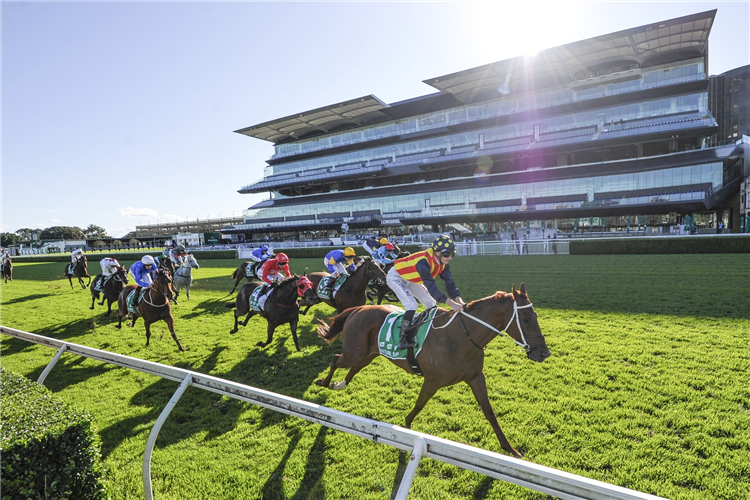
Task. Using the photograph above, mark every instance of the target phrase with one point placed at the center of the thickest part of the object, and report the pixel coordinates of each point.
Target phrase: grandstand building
(597, 133)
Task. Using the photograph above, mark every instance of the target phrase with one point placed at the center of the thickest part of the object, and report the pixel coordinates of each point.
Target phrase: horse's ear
(523, 288)
(514, 291)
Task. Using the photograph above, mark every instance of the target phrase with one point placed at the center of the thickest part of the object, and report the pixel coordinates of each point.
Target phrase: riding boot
(406, 339)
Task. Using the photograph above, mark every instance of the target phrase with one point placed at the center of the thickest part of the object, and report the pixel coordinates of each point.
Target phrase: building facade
(600, 132)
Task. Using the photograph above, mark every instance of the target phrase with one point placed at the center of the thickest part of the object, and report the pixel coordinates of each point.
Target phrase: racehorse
(281, 305)
(166, 264)
(452, 352)
(8, 270)
(153, 306)
(183, 276)
(381, 290)
(111, 290)
(79, 271)
(241, 272)
(353, 292)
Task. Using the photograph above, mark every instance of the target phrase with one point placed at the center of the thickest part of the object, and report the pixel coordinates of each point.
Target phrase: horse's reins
(145, 297)
(515, 316)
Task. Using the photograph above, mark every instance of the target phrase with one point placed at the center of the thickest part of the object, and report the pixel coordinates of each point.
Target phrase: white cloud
(133, 213)
(55, 221)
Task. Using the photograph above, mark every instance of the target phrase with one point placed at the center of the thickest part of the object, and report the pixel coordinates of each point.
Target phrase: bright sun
(505, 29)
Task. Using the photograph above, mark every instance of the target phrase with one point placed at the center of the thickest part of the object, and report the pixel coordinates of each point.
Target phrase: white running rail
(530, 475)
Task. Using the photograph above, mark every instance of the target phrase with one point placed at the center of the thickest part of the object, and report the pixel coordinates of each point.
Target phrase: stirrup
(403, 343)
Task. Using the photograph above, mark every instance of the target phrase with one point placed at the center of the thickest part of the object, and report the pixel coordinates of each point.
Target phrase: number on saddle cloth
(251, 271)
(328, 286)
(389, 333)
(258, 298)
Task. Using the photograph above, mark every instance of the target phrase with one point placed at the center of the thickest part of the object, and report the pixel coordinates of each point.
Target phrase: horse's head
(192, 262)
(163, 284)
(372, 270)
(305, 289)
(524, 327)
(121, 275)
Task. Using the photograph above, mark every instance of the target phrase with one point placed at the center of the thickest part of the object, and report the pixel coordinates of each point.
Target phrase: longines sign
(390, 222)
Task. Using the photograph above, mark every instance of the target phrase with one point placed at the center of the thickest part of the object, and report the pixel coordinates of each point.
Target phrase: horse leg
(340, 361)
(269, 332)
(70, 278)
(93, 299)
(236, 323)
(187, 290)
(293, 326)
(478, 386)
(148, 330)
(249, 315)
(170, 323)
(425, 394)
(326, 382)
(109, 307)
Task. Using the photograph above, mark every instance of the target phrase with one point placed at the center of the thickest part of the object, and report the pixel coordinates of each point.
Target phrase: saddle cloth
(250, 270)
(133, 307)
(324, 290)
(258, 301)
(390, 330)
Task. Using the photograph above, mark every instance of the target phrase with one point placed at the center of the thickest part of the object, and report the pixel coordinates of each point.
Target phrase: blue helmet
(264, 248)
(445, 245)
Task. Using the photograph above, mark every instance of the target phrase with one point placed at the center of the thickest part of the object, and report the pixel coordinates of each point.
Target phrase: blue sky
(120, 114)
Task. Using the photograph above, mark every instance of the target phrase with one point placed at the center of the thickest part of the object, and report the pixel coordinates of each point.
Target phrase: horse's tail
(330, 332)
(234, 274)
(230, 305)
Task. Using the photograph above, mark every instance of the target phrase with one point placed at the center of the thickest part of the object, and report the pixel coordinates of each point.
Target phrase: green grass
(647, 386)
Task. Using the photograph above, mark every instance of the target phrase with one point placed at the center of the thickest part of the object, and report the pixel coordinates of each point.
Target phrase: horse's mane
(479, 303)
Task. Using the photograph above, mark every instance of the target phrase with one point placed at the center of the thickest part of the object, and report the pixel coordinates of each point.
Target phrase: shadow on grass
(69, 371)
(182, 422)
(28, 298)
(216, 306)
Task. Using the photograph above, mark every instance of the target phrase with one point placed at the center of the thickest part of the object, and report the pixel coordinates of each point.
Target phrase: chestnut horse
(79, 271)
(111, 290)
(8, 270)
(453, 350)
(281, 306)
(353, 292)
(154, 305)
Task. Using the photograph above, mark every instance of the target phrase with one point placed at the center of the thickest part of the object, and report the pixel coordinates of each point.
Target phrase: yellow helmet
(383, 241)
(349, 252)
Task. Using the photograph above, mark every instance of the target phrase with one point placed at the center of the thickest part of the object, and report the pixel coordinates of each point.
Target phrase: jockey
(260, 254)
(177, 255)
(75, 255)
(412, 278)
(109, 267)
(144, 271)
(4, 256)
(385, 255)
(271, 270)
(372, 244)
(337, 261)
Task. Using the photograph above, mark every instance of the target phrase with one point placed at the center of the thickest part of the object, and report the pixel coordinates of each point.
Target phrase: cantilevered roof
(342, 115)
(681, 38)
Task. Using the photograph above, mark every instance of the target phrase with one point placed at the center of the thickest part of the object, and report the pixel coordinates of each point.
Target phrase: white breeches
(408, 292)
(254, 258)
(338, 266)
(276, 277)
(367, 247)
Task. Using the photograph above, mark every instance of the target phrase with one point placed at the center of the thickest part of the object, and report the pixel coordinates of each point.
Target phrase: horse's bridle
(152, 287)
(515, 316)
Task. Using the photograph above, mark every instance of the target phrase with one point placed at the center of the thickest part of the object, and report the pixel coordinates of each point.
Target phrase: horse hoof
(261, 344)
(320, 382)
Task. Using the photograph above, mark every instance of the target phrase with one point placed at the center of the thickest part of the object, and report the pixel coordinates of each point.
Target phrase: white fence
(530, 475)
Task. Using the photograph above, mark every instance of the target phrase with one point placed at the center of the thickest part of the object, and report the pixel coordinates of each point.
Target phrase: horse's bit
(515, 316)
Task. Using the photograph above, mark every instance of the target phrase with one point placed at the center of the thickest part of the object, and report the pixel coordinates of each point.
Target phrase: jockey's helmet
(445, 245)
(147, 260)
(349, 252)
(383, 241)
(389, 246)
(281, 258)
(264, 248)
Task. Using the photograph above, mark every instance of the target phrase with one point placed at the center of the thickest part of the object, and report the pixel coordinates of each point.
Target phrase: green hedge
(654, 245)
(48, 447)
(124, 258)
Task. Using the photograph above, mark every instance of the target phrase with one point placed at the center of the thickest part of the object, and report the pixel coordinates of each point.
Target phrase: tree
(94, 231)
(26, 234)
(62, 233)
(7, 239)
